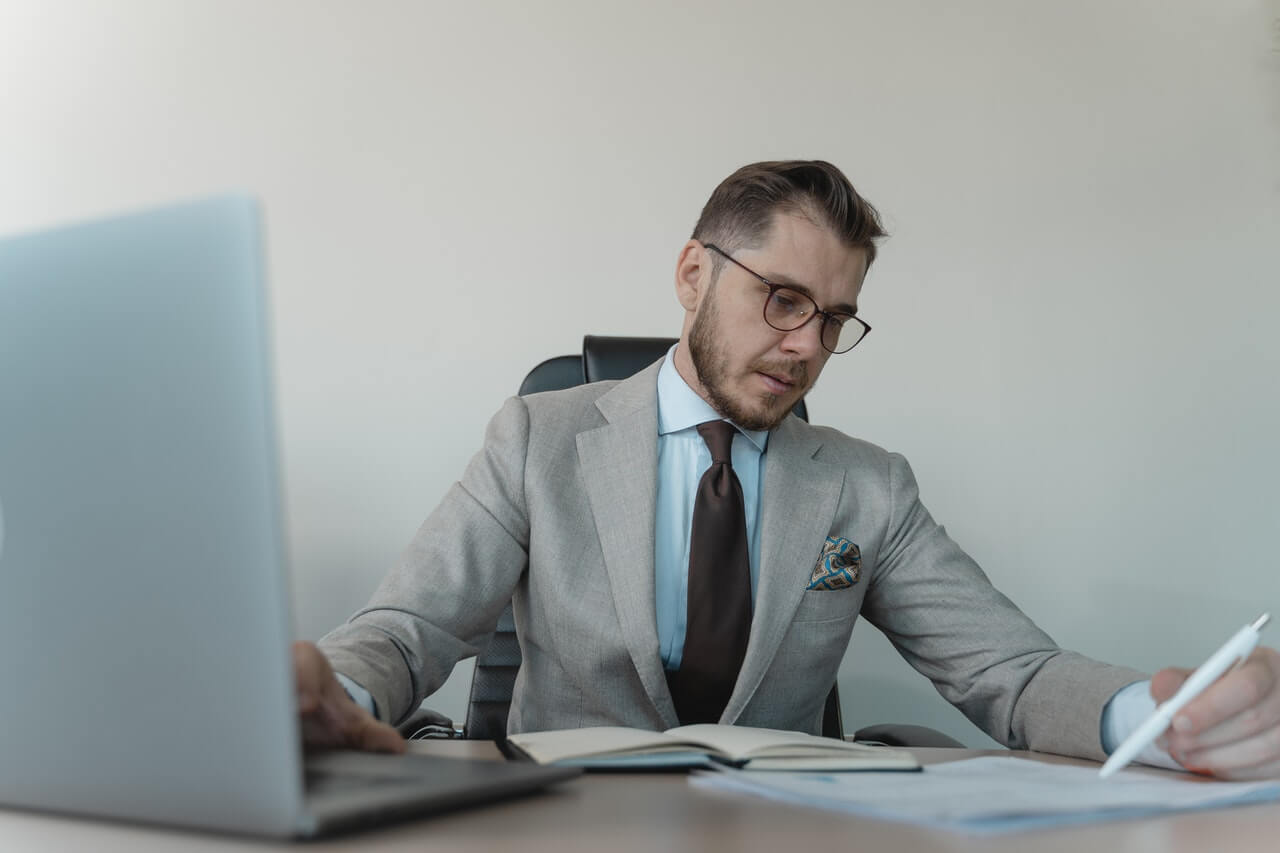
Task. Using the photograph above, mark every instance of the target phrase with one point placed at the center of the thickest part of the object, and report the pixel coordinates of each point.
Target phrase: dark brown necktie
(719, 616)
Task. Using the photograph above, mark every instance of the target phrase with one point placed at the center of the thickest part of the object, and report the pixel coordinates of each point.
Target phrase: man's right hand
(329, 717)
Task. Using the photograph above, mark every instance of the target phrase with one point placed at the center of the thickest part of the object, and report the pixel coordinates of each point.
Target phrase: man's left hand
(1232, 729)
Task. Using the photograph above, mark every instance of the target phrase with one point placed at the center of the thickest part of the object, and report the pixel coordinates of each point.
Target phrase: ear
(693, 274)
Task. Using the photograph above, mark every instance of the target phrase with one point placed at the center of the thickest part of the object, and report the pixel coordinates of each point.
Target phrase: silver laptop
(144, 620)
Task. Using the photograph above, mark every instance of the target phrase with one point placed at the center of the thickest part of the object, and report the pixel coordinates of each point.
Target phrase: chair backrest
(496, 666)
(603, 358)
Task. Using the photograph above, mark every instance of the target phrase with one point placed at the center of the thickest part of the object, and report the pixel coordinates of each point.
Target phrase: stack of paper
(995, 794)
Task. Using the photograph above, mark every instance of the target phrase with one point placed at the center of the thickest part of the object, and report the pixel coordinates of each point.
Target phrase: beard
(711, 361)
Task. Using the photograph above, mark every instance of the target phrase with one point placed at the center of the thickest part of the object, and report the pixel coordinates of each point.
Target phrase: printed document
(995, 793)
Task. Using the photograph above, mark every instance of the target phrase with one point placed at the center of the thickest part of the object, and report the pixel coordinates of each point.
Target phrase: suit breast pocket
(829, 605)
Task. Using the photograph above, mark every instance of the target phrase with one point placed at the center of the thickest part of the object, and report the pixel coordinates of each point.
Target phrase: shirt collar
(679, 406)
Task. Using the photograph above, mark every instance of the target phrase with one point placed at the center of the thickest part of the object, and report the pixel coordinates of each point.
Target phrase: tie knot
(719, 438)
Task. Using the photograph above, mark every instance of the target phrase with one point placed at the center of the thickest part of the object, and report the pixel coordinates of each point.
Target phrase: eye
(837, 320)
(786, 301)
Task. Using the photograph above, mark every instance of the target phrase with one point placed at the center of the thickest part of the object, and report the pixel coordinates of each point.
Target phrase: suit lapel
(799, 496)
(620, 469)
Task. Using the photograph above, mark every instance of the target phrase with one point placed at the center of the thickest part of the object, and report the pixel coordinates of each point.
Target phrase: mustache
(795, 371)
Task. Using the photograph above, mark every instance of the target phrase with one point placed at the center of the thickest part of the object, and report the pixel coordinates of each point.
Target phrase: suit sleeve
(444, 597)
(981, 652)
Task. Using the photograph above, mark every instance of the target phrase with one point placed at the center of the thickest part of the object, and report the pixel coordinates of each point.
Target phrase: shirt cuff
(1127, 710)
(364, 698)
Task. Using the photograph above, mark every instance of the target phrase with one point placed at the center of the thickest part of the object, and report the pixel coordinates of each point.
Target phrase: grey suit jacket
(557, 508)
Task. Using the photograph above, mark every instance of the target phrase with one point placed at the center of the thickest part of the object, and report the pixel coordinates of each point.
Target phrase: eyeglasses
(787, 309)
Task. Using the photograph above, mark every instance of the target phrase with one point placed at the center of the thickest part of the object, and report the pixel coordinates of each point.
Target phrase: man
(667, 567)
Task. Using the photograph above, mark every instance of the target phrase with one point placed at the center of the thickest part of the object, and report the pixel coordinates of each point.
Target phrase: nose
(806, 341)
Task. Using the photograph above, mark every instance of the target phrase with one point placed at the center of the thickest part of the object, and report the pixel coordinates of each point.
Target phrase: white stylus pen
(1233, 652)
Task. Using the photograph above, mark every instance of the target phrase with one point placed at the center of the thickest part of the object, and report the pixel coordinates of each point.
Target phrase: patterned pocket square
(839, 566)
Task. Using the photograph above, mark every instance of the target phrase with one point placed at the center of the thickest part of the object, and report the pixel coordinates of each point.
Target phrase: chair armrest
(899, 734)
(425, 723)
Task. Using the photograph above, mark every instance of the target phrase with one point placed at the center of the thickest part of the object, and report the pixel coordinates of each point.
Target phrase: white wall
(1073, 320)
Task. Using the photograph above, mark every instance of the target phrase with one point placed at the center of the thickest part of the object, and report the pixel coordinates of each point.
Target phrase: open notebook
(616, 748)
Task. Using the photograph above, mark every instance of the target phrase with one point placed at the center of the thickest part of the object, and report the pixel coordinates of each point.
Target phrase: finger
(1166, 682)
(1218, 762)
(1252, 721)
(328, 724)
(374, 736)
(317, 733)
(323, 726)
(1235, 692)
(1260, 750)
(360, 729)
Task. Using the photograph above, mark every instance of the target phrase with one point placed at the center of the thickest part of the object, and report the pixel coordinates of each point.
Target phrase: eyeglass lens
(788, 309)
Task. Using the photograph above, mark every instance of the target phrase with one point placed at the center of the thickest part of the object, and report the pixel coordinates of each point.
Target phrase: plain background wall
(1074, 319)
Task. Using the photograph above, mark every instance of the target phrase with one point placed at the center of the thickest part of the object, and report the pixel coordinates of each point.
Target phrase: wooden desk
(632, 812)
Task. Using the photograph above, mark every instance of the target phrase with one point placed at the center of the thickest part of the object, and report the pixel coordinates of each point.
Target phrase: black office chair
(496, 666)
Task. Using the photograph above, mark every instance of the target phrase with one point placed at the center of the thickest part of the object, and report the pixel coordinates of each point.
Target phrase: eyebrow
(842, 308)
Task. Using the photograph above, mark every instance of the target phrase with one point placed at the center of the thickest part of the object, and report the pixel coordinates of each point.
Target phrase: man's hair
(740, 211)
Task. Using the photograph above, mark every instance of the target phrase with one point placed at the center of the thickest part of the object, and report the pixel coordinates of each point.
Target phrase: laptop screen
(144, 625)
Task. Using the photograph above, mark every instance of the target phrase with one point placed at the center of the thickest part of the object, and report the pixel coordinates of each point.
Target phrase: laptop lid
(144, 622)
